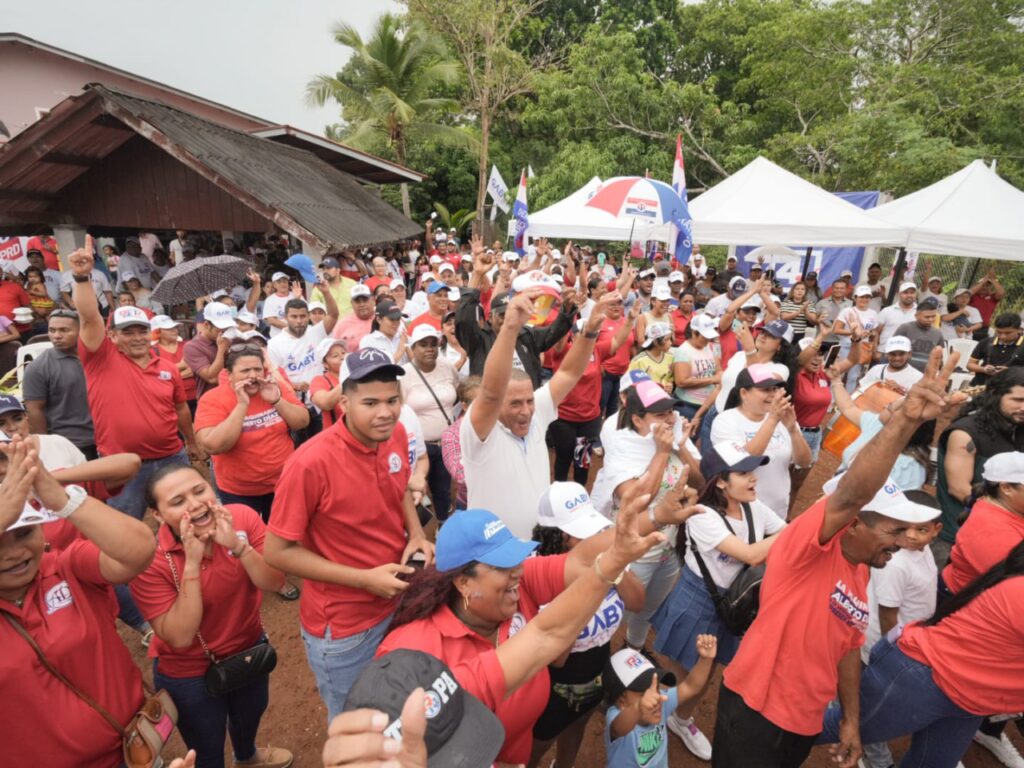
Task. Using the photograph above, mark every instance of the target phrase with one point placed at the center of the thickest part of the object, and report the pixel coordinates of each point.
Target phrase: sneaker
(693, 739)
(267, 757)
(1002, 748)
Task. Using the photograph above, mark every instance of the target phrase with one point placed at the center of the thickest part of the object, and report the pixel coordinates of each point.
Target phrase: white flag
(529, 172)
(498, 190)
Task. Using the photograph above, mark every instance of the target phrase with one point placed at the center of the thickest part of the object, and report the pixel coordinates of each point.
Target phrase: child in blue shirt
(634, 734)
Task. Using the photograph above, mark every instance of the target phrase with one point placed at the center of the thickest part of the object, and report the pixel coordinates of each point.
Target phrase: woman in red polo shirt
(478, 611)
(65, 601)
(579, 417)
(812, 389)
(244, 425)
(202, 594)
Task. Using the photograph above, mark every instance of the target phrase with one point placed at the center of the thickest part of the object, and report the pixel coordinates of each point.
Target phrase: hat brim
(476, 741)
(749, 463)
(586, 524)
(130, 323)
(397, 370)
(509, 553)
(223, 323)
(661, 406)
(710, 333)
(905, 512)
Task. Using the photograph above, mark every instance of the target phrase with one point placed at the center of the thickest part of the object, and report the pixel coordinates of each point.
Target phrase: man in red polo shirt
(137, 399)
(343, 519)
(803, 649)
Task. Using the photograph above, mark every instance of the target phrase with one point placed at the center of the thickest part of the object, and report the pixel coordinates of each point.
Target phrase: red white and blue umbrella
(647, 202)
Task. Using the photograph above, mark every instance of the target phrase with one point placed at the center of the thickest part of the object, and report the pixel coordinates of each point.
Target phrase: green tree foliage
(390, 91)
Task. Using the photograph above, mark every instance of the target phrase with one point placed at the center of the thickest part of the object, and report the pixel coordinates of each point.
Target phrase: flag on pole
(498, 189)
(683, 242)
(529, 172)
(520, 215)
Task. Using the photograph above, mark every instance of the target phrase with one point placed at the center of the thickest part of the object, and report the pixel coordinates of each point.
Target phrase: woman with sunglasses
(244, 425)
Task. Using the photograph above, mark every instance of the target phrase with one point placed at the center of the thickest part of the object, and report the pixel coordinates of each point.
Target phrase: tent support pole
(897, 275)
(974, 273)
(807, 262)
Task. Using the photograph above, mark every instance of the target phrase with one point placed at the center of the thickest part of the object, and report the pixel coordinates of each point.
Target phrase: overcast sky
(253, 55)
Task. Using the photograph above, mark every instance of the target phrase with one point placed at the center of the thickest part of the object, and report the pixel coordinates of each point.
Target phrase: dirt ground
(296, 718)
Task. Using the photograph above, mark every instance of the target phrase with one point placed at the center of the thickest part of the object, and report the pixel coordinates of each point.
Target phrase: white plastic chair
(28, 353)
(965, 347)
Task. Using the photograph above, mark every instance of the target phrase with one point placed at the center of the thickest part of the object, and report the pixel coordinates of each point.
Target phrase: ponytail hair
(1012, 566)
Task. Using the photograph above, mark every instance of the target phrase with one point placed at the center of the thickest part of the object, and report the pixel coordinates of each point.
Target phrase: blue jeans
(203, 719)
(337, 662)
(132, 498)
(705, 426)
(813, 440)
(609, 394)
(898, 696)
(658, 579)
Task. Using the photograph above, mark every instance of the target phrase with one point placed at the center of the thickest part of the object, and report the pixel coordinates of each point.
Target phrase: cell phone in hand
(831, 355)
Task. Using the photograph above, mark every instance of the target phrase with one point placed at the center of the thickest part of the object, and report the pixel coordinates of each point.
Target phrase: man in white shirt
(294, 351)
(273, 305)
(895, 315)
(963, 320)
(503, 448)
(897, 370)
(178, 245)
(51, 277)
(878, 287)
(134, 261)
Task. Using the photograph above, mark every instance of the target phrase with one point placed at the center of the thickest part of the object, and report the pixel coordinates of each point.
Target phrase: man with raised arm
(803, 649)
(502, 436)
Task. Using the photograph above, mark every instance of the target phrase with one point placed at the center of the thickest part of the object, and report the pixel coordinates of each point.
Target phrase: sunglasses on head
(246, 346)
(68, 313)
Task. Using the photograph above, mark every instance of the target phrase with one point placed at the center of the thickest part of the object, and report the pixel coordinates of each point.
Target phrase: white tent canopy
(571, 218)
(763, 203)
(971, 213)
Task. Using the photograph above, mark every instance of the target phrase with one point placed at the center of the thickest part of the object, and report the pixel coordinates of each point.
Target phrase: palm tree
(387, 90)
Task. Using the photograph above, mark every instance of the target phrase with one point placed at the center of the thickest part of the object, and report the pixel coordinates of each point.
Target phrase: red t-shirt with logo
(343, 501)
(254, 463)
(474, 662)
(814, 610)
(133, 408)
(69, 610)
(231, 602)
(583, 403)
(616, 364)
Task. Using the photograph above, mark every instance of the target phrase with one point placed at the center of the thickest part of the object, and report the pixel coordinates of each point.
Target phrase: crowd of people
(486, 467)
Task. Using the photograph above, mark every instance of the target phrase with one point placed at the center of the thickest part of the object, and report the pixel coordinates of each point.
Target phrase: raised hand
(296, 289)
(663, 434)
(48, 490)
(676, 506)
(81, 260)
(779, 405)
(927, 399)
(476, 245)
(22, 469)
(520, 309)
(253, 277)
(628, 544)
(707, 646)
(542, 246)
(270, 390)
(651, 703)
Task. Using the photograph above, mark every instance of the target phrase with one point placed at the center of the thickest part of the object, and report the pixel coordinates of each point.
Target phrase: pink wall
(31, 78)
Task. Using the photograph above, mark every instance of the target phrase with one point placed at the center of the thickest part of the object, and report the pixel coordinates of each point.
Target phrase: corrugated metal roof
(295, 189)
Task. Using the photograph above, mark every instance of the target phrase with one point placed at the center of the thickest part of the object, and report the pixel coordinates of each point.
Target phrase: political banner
(12, 253)
(829, 263)
(498, 190)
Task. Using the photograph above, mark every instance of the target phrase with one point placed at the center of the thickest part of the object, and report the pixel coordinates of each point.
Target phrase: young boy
(900, 593)
(634, 732)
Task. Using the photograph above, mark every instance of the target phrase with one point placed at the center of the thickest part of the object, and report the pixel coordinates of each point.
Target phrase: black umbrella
(200, 277)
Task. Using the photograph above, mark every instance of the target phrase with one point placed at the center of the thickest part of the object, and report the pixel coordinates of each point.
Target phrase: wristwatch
(81, 278)
(244, 538)
(76, 495)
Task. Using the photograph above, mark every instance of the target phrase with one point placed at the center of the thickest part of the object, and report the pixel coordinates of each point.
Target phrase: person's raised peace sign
(927, 399)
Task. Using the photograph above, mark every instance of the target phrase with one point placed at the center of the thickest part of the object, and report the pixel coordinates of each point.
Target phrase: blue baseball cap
(10, 403)
(479, 535)
(361, 364)
(777, 328)
(435, 287)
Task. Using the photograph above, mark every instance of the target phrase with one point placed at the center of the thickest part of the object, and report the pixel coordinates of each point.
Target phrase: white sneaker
(1002, 748)
(693, 739)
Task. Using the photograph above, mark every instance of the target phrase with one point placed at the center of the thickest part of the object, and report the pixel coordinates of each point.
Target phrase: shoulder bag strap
(748, 513)
(709, 582)
(177, 586)
(20, 629)
(433, 394)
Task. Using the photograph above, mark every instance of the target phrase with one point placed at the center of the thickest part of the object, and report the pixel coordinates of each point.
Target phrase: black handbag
(238, 670)
(737, 607)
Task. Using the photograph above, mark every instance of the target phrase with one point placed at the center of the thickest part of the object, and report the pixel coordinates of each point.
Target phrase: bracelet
(602, 577)
(654, 518)
(591, 334)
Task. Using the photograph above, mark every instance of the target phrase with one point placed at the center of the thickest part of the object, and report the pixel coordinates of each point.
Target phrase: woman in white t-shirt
(720, 538)
(759, 419)
(857, 322)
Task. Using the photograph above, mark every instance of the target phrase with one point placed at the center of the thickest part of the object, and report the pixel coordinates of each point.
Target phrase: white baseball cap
(278, 276)
(325, 346)
(661, 293)
(862, 290)
(317, 305)
(219, 294)
(446, 267)
(1005, 468)
(453, 293)
(891, 502)
(128, 316)
(510, 256)
(423, 331)
(162, 323)
(218, 315)
(567, 507)
(907, 286)
(435, 259)
(360, 290)
(126, 276)
(676, 277)
(396, 284)
(706, 326)
(654, 332)
(898, 344)
(31, 515)
(247, 317)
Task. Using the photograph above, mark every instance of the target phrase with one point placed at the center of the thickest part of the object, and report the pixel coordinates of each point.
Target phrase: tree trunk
(481, 187)
(405, 200)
